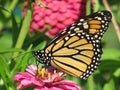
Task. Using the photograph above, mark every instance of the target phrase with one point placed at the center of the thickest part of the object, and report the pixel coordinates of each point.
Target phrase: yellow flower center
(43, 73)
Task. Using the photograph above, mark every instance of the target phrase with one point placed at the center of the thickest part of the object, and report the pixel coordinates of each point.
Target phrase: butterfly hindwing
(77, 55)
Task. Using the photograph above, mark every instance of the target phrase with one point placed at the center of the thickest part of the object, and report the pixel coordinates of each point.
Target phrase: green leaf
(25, 59)
(36, 38)
(111, 54)
(4, 71)
(40, 46)
(4, 16)
(15, 30)
(23, 31)
(117, 73)
(5, 41)
(2, 8)
(110, 85)
(10, 50)
(16, 67)
(109, 65)
(21, 62)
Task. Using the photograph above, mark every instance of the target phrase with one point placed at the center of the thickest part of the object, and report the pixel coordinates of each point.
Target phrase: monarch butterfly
(77, 49)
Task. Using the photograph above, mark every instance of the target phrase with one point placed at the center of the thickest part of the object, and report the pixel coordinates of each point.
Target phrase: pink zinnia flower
(44, 79)
(58, 15)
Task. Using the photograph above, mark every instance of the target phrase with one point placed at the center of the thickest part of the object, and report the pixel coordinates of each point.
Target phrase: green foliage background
(16, 44)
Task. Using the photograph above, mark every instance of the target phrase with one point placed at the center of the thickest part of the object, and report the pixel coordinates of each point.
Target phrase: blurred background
(30, 25)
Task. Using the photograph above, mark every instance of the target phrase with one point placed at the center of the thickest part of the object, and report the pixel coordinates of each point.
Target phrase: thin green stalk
(90, 83)
(88, 7)
(23, 32)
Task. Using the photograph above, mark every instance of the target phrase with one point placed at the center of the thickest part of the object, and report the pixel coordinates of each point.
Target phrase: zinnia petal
(20, 76)
(31, 69)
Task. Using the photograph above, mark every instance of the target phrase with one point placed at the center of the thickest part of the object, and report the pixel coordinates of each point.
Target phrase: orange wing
(77, 49)
(75, 55)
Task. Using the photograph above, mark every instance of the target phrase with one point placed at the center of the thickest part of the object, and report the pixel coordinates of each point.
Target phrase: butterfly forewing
(77, 50)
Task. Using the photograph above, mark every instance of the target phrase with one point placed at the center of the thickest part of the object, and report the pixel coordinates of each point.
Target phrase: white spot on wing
(81, 20)
(76, 29)
(66, 38)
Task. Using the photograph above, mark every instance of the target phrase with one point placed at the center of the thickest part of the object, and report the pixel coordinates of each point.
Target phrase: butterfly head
(41, 57)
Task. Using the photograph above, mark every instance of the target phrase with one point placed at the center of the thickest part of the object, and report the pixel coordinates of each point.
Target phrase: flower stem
(116, 26)
(88, 6)
(90, 83)
(23, 31)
